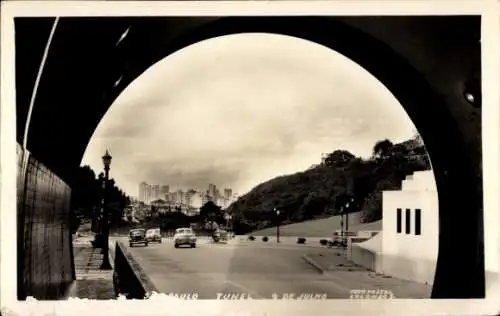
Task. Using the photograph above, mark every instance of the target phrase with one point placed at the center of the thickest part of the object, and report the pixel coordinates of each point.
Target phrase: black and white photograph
(247, 157)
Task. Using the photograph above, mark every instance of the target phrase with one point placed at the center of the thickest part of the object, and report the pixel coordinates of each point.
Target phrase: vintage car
(137, 236)
(153, 235)
(184, 236)
(220, 235)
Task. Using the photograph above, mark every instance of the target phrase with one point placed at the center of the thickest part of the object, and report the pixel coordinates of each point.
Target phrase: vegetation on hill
(325, 189)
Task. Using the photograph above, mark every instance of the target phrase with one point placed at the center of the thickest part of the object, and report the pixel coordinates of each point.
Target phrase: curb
(111, 255)
(313, 263)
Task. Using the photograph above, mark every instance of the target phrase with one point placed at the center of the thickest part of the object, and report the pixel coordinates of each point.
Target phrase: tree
(344, 202)
(382, 149)
(86, 195)
(313, 205)
(210, 212)
(338, 158)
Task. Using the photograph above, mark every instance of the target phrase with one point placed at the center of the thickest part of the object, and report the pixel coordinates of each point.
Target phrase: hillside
(322, 191)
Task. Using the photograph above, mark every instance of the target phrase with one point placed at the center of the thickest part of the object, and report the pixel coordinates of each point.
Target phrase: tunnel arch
(222, 42)
(453, 166)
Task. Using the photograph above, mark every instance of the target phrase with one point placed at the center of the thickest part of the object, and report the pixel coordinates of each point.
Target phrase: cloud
(195, 177)
(242, 109)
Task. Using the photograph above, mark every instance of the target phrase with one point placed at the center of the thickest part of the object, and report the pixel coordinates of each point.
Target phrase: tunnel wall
(45, 263)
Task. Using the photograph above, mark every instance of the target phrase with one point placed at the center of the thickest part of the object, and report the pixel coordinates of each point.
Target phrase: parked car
(153, 235)
(137, 236)
(184, 236)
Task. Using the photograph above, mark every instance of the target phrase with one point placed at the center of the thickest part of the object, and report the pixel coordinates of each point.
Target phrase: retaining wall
(129, 279)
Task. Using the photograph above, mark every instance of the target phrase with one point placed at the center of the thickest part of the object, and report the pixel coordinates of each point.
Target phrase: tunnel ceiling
(85, 62)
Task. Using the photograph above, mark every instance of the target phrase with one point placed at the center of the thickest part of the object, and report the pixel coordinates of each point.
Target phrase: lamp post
(231, 225)
(348, 204)
(228, 223)
(106, 159)
(97, 215)
(347, 207)
(341, 226)
(346, 210)
(100, 213)
(277, 224)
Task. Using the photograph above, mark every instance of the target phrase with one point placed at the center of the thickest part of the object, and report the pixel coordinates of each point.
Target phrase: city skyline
(214, 113)
(174, 187)
(195, 198)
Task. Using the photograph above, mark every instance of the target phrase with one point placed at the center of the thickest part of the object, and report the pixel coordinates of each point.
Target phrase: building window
(407, 221)
(398, 220)
(418, 225)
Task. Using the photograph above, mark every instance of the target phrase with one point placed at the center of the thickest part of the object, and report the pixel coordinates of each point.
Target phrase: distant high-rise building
(143, 187)
(165, 189)
(155, 192)
(228, 193)
(188, 195)
(170, 197)
(212, 191)
(149, 192)
(180, 197)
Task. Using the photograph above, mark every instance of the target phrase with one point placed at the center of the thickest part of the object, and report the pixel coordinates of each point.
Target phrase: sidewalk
(344, 271)
(91, 282)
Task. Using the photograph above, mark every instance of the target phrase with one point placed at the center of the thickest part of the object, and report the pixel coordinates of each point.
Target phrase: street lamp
(106, 160)
(346, 203)
(277, 224)
(231, 225)
(345, 211)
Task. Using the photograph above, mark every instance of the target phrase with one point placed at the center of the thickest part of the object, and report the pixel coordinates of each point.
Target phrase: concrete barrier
(129, 278)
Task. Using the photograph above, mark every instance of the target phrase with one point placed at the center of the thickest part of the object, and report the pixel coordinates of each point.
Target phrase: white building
(196, 200)
(410, 225)
(407, 247)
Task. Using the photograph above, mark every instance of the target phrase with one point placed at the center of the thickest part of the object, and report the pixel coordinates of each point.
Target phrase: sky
(241, 109)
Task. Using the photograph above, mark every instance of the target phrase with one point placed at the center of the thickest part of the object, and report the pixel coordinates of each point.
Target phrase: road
(239, 271)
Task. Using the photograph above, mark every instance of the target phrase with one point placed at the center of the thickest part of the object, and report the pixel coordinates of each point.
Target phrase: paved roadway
(255, 269)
